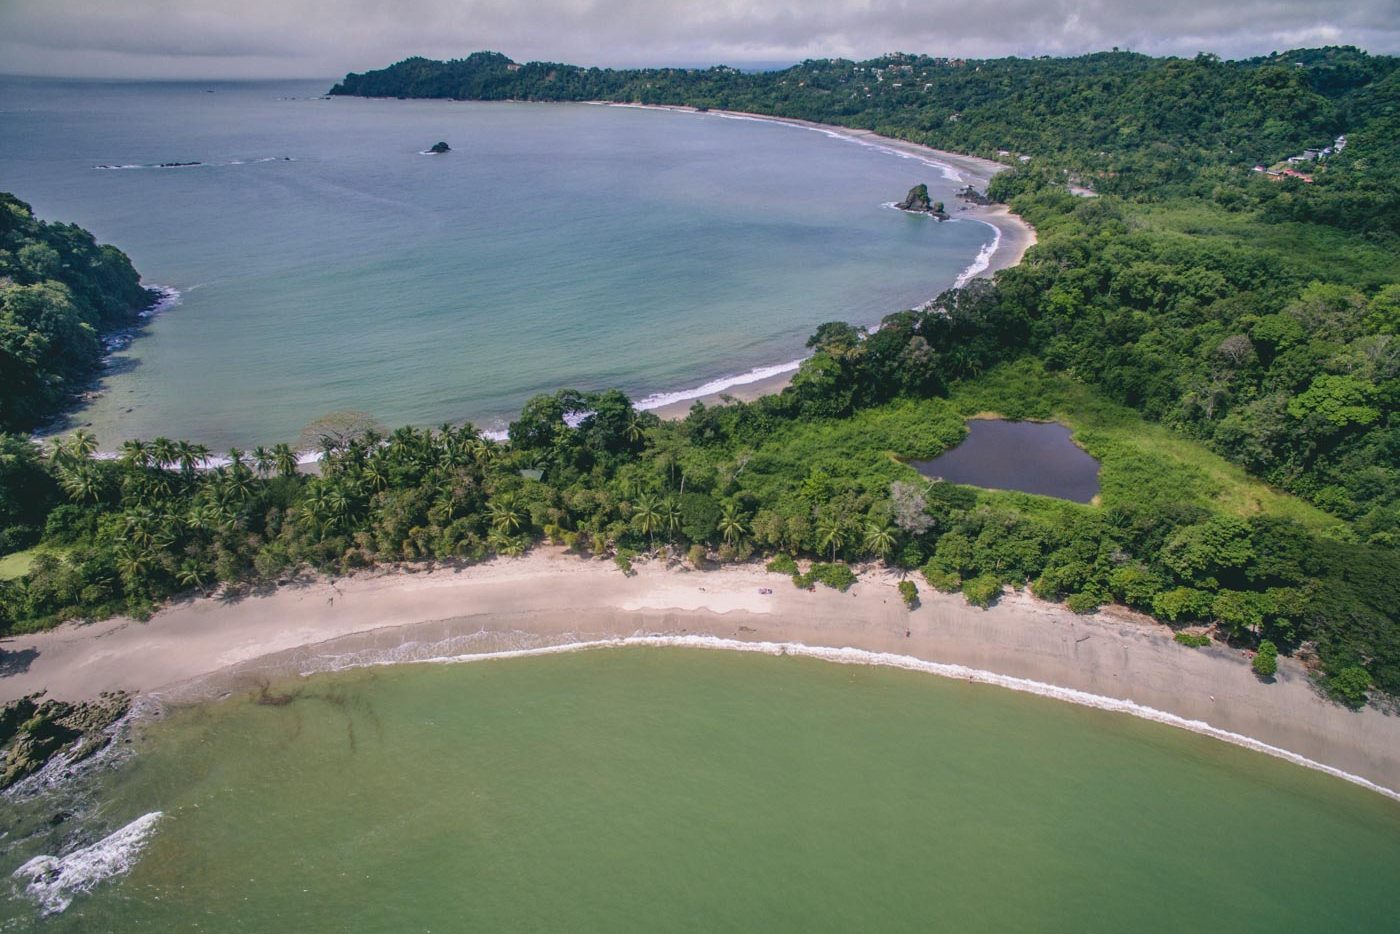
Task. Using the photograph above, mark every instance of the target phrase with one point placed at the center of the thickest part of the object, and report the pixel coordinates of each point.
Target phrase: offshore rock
(918, 201)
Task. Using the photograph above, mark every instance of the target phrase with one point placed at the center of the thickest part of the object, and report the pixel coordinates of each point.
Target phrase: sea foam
(853, 656)
(982, 260)
(53, 881)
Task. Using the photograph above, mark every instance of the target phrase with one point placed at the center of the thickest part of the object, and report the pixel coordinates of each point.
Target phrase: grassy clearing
(17, 564)
(1143, 462)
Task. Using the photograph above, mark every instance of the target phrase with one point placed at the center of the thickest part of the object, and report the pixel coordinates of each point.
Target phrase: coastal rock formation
(34, 731)
(974, 196)
(918, 201)
(439, 148)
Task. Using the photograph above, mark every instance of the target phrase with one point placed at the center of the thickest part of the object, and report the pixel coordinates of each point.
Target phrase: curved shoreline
(549, 601)
(1012, 238)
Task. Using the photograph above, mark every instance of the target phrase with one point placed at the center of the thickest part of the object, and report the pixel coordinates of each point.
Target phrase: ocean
(672, 789)
(323, 263)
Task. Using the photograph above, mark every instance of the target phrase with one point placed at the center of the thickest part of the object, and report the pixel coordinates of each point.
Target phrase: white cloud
(326, 38)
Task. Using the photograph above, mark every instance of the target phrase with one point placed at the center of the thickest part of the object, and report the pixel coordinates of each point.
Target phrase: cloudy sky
(326, 38)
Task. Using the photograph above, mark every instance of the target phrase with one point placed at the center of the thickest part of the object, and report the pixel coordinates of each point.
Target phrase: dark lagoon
(1033, 457)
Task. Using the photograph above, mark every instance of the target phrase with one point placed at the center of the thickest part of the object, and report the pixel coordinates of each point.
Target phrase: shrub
(1350, 686)
(910, 593)
(946, 581)
(624, 563)
(836, 576)
(1194, 640)
(1265, 662)
(1084, 602)
(696, 556)
(982, 591)
(782, 563)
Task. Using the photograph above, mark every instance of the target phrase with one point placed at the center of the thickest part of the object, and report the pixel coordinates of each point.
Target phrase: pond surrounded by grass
(1033, 457)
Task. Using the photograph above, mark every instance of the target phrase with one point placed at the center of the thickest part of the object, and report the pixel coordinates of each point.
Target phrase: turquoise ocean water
(324, 264)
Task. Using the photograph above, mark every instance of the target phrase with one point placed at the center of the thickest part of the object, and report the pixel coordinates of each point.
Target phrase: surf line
(853, 656)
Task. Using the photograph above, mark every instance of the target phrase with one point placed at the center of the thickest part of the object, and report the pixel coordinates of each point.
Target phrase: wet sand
(208, 646)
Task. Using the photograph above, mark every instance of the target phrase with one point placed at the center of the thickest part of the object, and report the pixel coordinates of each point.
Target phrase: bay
(668, 789)
(325, 264)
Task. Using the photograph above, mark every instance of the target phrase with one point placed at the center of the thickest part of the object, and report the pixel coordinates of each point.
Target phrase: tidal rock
(33, 731)
(439, 148)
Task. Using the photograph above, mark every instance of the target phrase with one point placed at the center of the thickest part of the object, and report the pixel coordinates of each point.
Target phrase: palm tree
(141, 527)
(81, 482)
(505, 515)
(671, 510)
(731, 524)
(164, 452)
(133, 563)
(831, 531)
(285, 459)
(879, 538)
(262, 461)
(648, 516)
(190, 456)
(235, 458)
(136, 454)
(191, 573)
(375, 474)
(83, 444)
(634, 427)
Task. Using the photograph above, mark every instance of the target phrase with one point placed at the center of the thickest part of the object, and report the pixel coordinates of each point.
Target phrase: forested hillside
(1122, 122)
(1216, 336)
(60, 291)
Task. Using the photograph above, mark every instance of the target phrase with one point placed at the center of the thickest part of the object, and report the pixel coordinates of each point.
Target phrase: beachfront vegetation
(1227, 346)
(1265, 662)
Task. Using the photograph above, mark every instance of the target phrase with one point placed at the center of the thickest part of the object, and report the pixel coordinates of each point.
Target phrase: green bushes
(909, 593)
(836, 576)
(782, 563)
(946, 581)
(982, 591)
(1192, 640)
(1349, 686)
(1085, 602)
(1265, 663)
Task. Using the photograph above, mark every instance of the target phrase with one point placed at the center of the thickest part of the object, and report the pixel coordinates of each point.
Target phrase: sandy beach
(210, 646)
(1015, 235)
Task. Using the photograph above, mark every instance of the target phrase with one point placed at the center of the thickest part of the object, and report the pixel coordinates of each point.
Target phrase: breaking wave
(53, 881)
(423, 654)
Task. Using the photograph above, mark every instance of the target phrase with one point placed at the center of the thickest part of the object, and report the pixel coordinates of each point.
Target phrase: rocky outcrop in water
(918, 201)
(439, 148)
(973, 196)
(33, 731)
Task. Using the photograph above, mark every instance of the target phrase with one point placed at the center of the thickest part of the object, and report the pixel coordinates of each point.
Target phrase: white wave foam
(169, 297)
(853, 656)
(190, 165)
(757, 374)
(53, 881)
(983, 259)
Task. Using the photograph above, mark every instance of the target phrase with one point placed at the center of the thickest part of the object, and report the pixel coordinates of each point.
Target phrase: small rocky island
(439, 148)
(917, 201)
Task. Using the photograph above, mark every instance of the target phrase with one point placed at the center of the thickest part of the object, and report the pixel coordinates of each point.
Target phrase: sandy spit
(209, 646)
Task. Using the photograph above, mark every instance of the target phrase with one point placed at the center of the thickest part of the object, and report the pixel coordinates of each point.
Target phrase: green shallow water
(685, 790)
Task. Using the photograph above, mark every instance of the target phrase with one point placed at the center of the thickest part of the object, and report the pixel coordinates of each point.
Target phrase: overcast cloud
(326, 38)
